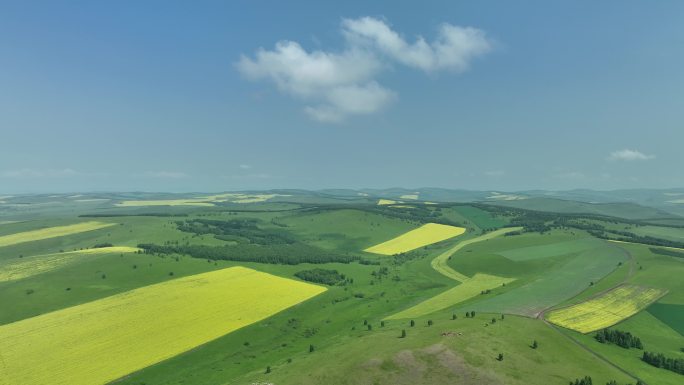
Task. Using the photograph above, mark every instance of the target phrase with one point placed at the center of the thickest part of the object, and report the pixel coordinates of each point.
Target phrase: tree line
(288, 254)
(619, 338)
(324, 276)
(659, 360)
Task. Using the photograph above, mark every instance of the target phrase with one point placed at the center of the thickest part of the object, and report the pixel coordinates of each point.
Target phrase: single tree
(535, 344)
(403, 333)
(413, 323)
(500, 357)
(311, 348)
(268, 369)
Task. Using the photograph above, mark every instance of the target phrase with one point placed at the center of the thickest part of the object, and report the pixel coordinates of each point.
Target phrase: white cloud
(454, 48)
(495, 173)
(167, 174)
(629, 155)
(245, 166)
(335, 85)
(351, 100)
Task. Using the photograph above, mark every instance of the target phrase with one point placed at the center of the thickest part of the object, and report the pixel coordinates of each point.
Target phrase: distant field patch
(18, 268)
(101, 341)
(51, 232)
(607, 309)
(384, 202)
(670, 314)
(165, 202)
(550, 250)
(409, 196)
(425, 235)
(470, 288)
(201, 201)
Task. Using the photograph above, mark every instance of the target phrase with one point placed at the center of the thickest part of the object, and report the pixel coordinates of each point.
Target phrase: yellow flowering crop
(425, 235)
(607, 309)
(100, 341)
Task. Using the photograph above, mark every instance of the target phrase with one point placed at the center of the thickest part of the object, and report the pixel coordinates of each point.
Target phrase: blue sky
(201, 96)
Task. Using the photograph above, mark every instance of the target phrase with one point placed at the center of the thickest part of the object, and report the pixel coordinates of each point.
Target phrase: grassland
(101, 341)
(470, 288)
(605, 310)
(655, 336)
(345, 229)
(425, 235)
(550, 268)
(461, 351)
(550, 250)
(20, 268)
(51, 232)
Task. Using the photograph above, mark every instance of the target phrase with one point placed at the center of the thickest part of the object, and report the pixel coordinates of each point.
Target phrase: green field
(569, 276)
(670, 315)
(497, 271)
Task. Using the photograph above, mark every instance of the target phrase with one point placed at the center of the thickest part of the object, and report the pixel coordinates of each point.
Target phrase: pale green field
(470, 288)
(19, 268)
(51, 232)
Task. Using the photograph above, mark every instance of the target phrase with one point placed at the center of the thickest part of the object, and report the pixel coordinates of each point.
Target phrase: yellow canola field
(607, 309)
(19, 268)
(101, 341)
(51, 232)
(425, 235)
(470, 288)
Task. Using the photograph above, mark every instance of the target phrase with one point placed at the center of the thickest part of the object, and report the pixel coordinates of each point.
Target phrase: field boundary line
(440, 263)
